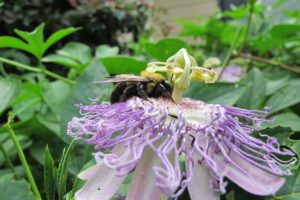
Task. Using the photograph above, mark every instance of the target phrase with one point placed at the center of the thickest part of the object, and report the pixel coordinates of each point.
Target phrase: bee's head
(152, 75)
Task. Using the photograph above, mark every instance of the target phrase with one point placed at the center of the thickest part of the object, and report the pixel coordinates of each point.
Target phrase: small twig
(295, 69)
(34, 69)
(22, 157)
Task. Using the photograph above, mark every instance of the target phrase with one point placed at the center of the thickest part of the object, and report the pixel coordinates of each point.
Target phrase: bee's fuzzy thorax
(152, 75)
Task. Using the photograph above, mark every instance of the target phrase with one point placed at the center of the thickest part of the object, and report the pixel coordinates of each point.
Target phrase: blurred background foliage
(52, 52)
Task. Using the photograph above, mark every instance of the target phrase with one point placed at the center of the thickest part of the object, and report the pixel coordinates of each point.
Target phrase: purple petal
(231, 73)
(253, 179)
(143, 183)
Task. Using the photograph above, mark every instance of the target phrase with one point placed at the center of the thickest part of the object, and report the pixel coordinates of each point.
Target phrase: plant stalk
(33, 69)
(22, 158)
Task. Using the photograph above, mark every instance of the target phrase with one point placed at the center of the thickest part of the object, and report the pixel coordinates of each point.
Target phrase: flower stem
(230, 52)
(22, 157)
(33, 69)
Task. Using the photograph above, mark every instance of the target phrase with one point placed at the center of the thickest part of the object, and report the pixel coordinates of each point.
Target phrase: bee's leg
(163, 90)
(142, 91)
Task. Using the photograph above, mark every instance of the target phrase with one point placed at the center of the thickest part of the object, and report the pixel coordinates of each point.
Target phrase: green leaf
(254, 96)
(220, 93)
(287, 96)
(289, 120)
(49, 175)
(123, 65)
(12, 42)
(285, 31)
(84, 89)
(284, 138)
(55, 95)
(16, 190)
(29, 100)
(103, 51)
(9, 146)
(165, 48)
(35, 40)
(291, 189)
(9, 88)
(58, 35)
(78, 52)
(61, 176)
(61, 60)
(190, 28)
(273, 85)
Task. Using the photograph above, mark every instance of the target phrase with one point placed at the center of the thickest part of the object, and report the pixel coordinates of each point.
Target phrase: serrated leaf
(9, 88)
(16, 190)
(287, 96)
(165, 48)
(123, 65)
(62, 173)
(49, 175)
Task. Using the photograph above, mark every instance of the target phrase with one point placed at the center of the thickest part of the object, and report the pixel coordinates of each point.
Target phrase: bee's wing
(123, 78)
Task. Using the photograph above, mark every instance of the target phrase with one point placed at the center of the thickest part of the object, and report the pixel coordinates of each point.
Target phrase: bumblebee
(148, 85)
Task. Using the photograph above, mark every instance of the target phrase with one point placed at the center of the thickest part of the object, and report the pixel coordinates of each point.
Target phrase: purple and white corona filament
(153, 138)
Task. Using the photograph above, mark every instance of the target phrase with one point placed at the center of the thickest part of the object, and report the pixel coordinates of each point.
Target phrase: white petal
(102, 182)
(255, 181)
(199, 184)
(143, 184)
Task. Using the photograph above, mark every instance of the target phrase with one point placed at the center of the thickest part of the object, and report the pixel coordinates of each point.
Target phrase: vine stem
(34, 69)
(251, 9)
(230, 52)
(22, 157)
(268, 61)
